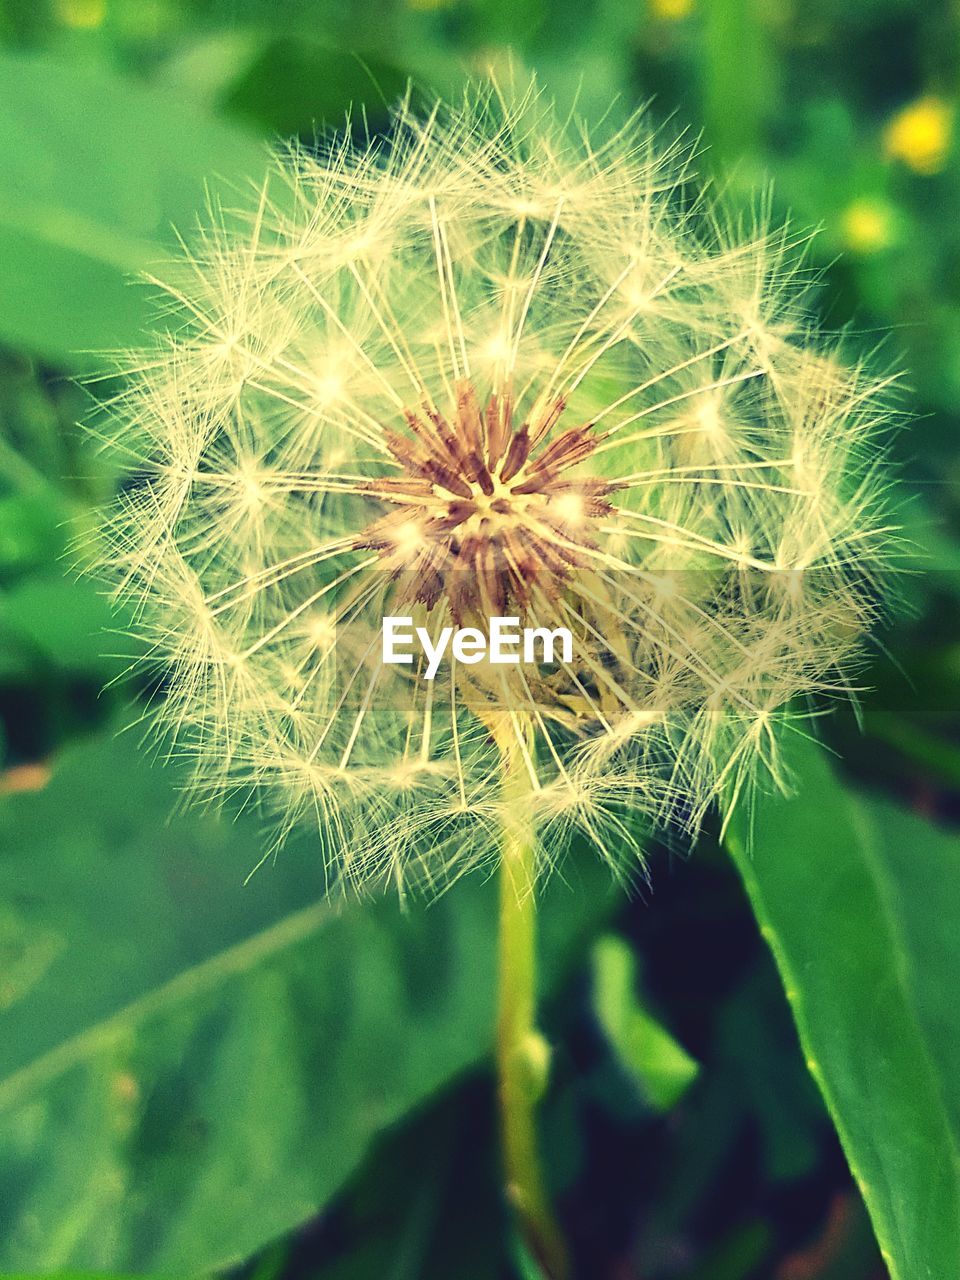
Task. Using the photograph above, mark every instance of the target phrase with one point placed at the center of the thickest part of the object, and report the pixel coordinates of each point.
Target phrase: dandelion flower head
(491, 366)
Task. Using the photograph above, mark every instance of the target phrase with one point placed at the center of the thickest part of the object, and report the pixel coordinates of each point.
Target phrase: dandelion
(493, 369)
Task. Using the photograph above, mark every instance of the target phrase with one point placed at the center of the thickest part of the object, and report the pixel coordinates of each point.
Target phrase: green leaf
(64, 620)
(927, 750)
(29, 532)
(450, 1222)
(662, 1069)
(860, 904)
(97, 173)
(188, 1067)
(295, 86)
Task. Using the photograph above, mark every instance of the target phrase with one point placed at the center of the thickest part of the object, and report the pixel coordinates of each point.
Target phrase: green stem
(522, 1054)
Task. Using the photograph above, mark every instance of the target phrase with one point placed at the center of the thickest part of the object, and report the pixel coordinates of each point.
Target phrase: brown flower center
(485, 513)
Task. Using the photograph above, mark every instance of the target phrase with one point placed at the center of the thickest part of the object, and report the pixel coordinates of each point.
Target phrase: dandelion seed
(492, 368)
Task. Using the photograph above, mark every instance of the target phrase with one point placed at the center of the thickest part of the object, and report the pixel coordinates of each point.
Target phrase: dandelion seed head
(493, 367)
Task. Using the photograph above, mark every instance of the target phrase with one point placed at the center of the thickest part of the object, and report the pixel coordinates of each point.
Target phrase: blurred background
(206, 1079)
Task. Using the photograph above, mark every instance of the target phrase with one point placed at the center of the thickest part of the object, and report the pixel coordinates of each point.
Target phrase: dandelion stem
(522, 1053)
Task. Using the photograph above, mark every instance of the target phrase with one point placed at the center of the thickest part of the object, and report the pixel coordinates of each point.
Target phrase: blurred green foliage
(196, 1075)
(190, 1068)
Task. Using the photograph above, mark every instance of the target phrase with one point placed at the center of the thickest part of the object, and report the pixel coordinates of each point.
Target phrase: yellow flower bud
(867, 225)
(671, 10)
(920, 135)
(85, 15)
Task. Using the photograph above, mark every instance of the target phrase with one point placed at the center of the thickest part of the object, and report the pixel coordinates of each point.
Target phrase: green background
(756, 1068)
